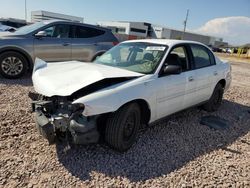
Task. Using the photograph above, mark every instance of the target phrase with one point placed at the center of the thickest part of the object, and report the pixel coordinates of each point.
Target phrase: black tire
(216, 99)
(13, 65)
(121, 134)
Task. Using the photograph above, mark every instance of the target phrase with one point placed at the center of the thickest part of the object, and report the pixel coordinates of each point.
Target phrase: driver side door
(170, 94)
(56, 45)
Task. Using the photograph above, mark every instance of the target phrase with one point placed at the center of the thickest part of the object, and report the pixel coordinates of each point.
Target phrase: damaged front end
(58, 117)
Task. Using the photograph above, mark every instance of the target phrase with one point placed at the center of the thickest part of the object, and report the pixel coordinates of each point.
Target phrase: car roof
(168, 42)
(74, 23)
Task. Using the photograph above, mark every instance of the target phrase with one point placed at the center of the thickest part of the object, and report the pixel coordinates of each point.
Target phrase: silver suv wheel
(12, 66)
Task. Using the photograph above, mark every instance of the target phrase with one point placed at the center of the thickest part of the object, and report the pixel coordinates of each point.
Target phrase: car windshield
(29, 28)
(139, 57)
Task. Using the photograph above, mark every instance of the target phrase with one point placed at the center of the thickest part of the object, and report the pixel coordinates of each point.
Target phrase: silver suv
(51, 41)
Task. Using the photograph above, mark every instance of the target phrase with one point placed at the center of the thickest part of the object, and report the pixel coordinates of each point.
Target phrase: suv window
(58, 31)
(87, 32)
(178, 55)
(201, 56)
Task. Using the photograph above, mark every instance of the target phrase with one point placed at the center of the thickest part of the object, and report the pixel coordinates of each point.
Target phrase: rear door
(56, 46)
(85, 42)
(205, 71)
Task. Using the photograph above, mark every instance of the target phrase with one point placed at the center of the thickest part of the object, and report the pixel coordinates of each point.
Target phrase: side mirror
(40, 34)
(172, 69)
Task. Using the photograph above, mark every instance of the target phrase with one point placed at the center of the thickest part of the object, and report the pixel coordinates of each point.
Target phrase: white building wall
(138, 25)
(212, 40)
(161, 32)
(128, 26)
(119, 25)
(158, 32)
(45, 15)
(166, 33)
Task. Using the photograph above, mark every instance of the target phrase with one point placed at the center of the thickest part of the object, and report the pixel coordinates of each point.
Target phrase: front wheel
(12, 65)
(122, 127)
(216, 99)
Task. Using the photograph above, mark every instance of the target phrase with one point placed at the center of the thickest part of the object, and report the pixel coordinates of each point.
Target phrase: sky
(229, 19)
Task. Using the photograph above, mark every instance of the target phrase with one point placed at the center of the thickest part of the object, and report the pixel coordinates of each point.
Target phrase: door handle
(190, 78)
(215, 73)
(66, 44)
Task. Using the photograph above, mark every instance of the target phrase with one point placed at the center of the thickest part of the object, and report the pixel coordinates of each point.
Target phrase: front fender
(112, 98)
(99, 103)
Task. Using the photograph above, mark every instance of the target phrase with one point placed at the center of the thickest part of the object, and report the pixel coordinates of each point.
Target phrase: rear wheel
(13, 65)
(216, 99)
(122, 127)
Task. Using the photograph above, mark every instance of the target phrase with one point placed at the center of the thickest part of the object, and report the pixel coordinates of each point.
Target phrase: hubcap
(12, 66)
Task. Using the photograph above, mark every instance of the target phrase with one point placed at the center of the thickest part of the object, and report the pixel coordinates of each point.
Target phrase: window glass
(134, 56)
(201, 56)
(212, 59)
(87, 32)
(49, 31)
(30, 28)
(124, 54)
(178, 56)
(58, 31)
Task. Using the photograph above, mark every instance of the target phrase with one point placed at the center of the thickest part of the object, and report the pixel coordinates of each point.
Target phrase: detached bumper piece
(44, 127)
(63, 119)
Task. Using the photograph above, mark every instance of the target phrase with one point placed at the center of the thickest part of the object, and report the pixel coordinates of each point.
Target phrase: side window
(87, 32)
(212, 59)
(49, 31)
(58, 31)
(178, 56)
(201, 56)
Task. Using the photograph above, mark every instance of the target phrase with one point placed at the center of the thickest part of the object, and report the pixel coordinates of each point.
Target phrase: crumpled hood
(64, 78)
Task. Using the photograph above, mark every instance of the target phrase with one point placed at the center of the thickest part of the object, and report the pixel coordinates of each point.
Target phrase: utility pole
(25, 9)
(185, 24)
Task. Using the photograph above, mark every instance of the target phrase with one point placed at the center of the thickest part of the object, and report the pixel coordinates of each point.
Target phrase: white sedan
(134, 83)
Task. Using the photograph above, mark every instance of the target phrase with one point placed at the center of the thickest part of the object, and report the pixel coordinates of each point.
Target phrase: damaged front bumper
(62, 119)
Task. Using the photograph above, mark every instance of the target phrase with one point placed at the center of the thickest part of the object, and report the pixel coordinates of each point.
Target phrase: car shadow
(160, 149)
(24, 81)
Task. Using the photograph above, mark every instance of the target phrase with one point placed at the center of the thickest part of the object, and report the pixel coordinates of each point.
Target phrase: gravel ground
(179, 152)
(233, 57)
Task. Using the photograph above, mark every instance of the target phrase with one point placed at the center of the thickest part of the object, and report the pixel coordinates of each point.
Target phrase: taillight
(115, 43)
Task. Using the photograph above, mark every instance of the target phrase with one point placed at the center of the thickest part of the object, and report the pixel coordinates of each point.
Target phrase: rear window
(201, 56)
(87, 32)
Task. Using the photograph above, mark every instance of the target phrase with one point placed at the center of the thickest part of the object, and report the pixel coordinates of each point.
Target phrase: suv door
(85, 42)
(205, 71)
(56, 45)
(171, 92)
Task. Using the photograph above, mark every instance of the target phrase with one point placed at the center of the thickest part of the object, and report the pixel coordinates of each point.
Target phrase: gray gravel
(178, 152)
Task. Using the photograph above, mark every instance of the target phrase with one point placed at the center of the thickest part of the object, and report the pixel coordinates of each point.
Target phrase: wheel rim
(129, 126)
(12, 66)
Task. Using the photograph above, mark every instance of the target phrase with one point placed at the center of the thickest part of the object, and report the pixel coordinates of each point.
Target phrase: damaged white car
(136, 82)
